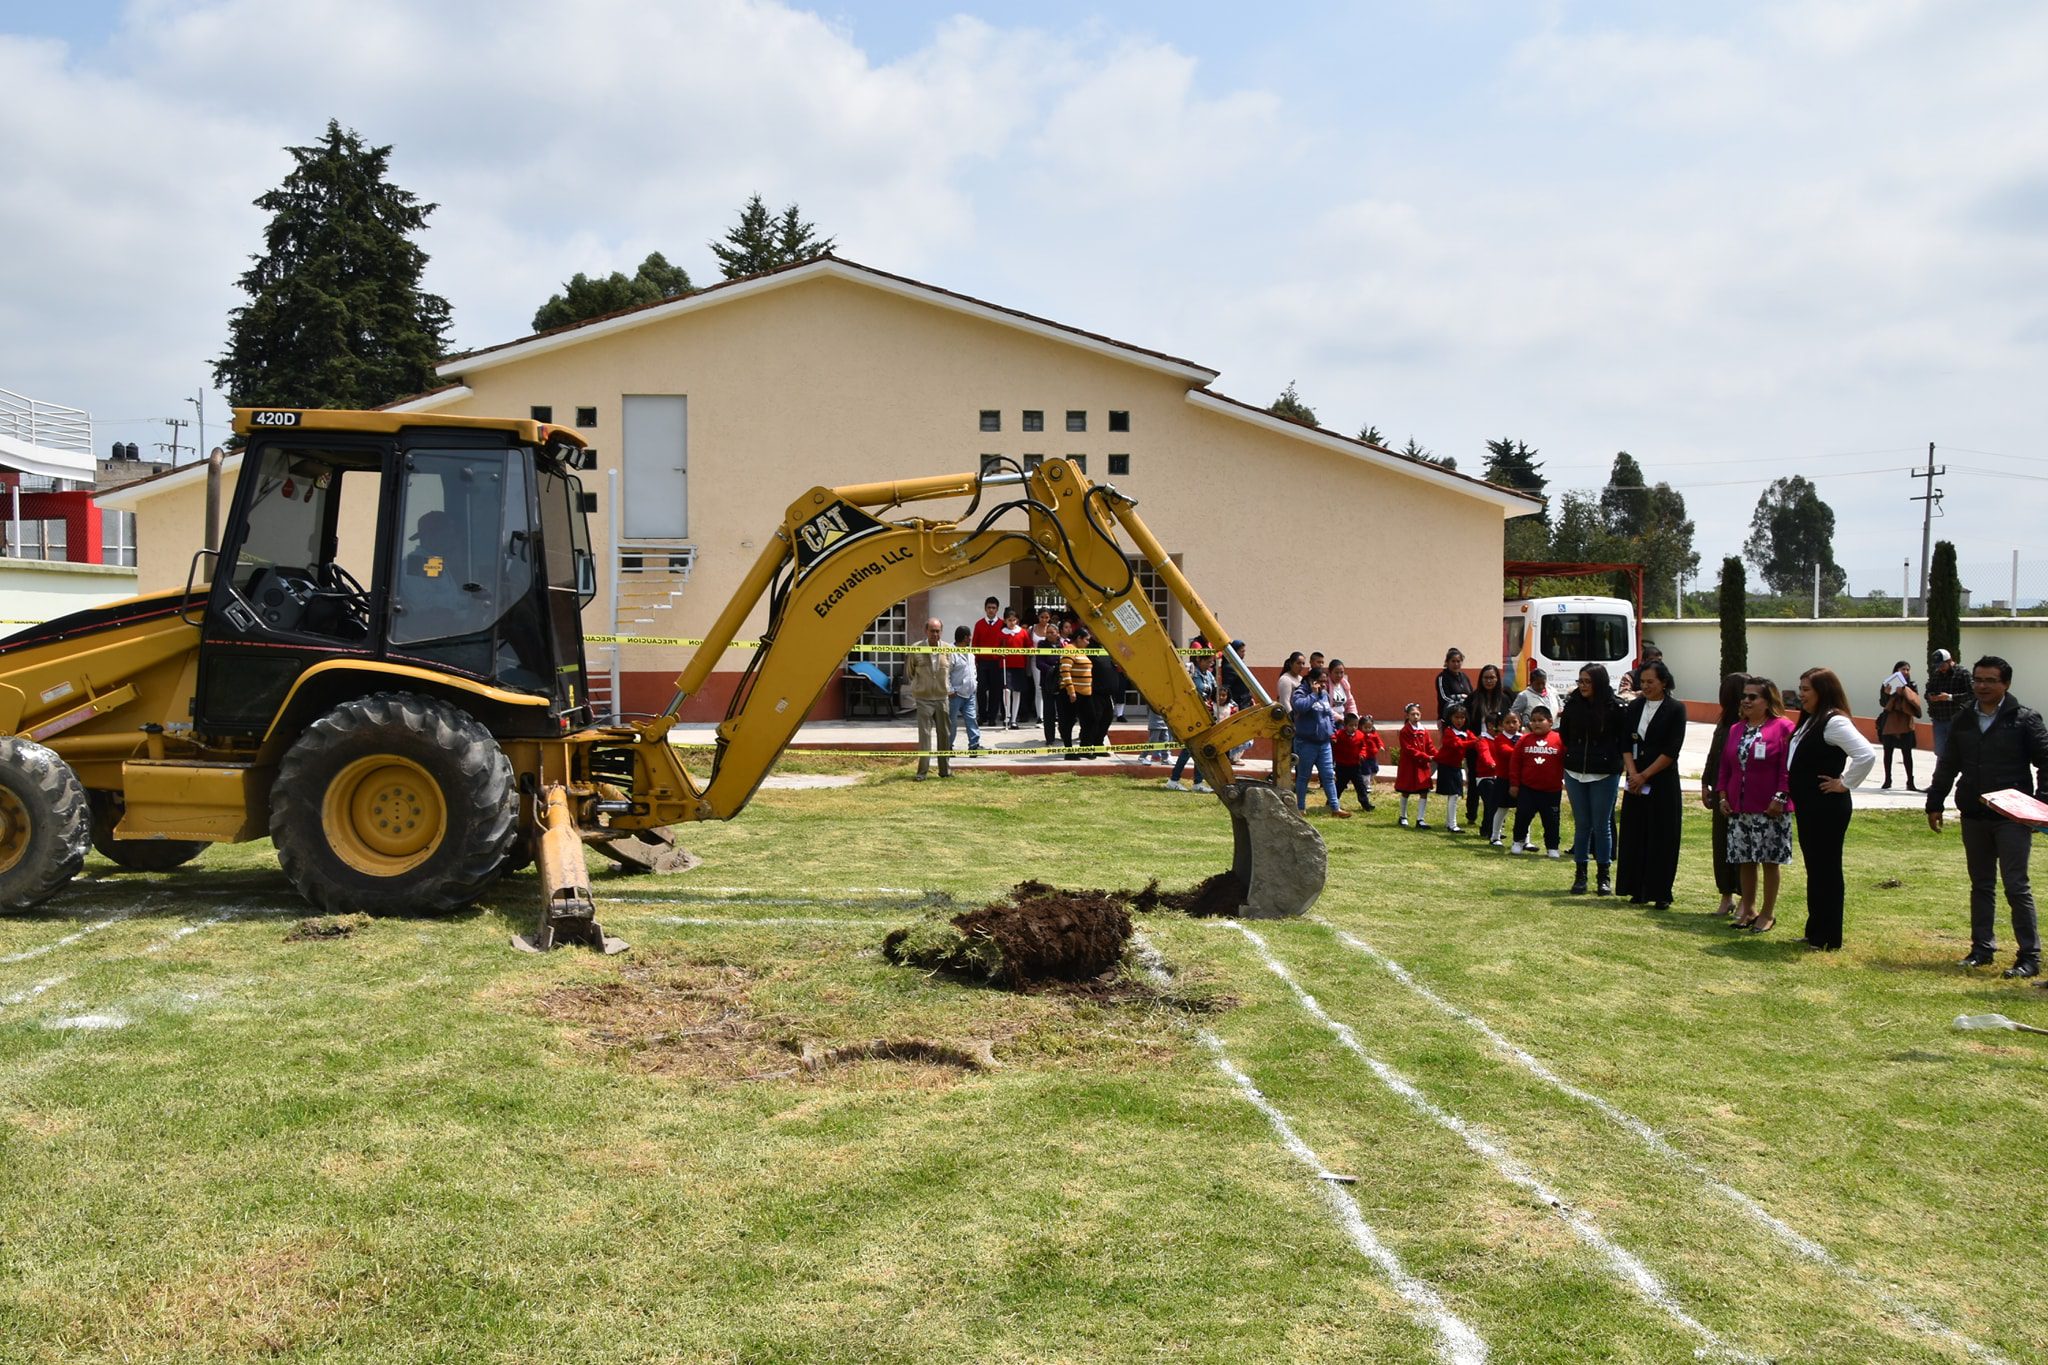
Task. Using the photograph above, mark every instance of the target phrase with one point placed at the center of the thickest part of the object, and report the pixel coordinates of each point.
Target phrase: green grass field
(412, 1144)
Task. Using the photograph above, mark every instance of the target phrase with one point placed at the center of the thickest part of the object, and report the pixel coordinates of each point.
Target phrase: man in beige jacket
(926, 674)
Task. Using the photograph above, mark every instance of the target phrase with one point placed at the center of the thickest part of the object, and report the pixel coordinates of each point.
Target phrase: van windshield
(1584, 637)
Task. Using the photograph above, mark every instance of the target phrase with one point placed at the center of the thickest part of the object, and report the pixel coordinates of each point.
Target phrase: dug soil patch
(327, 926)
(1212, 897)
(672, 1018)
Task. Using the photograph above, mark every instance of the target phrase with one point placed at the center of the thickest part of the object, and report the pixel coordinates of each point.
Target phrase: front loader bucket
(568, 916)
(1277, 856)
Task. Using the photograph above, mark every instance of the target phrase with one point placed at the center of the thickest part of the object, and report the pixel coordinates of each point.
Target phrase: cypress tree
(336, 316)
(1734, 617)
(759, 242)
(1944, 602)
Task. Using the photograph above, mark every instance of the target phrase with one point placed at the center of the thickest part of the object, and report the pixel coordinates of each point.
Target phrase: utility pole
(175, 424)
(1929, 500)
(200, 444)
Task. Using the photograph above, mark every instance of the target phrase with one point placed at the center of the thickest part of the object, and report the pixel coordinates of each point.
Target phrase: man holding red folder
(1995, 747)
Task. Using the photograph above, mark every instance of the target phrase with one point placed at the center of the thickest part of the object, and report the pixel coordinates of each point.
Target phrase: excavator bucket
(1277, 857)
(568, 916)
(647, 850)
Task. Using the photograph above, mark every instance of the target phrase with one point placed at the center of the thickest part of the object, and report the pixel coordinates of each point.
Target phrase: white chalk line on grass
(739, 922)
(1622, 1263)
(1457, 1342)
(1798, 1241)
(97, 926)
(30, 992)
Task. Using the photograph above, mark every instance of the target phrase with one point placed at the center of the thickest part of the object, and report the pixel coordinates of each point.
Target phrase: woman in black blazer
(1652, 804)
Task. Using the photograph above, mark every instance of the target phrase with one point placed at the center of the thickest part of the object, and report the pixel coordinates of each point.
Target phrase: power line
(1760, 459)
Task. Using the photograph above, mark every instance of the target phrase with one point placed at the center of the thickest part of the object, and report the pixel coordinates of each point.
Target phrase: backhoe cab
(384, 673)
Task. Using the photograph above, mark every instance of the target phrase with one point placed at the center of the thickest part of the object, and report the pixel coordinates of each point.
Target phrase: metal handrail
(49, 425)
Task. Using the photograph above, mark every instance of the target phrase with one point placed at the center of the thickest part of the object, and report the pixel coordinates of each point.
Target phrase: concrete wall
(32, 591)
(1861, 651)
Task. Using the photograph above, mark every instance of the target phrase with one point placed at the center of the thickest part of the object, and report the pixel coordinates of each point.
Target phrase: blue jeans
(1941, 736)
(1593, 817)
(1316, 752)
(963, 709)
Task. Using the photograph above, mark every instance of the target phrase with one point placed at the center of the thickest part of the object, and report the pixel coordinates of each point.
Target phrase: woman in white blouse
(1828, 757)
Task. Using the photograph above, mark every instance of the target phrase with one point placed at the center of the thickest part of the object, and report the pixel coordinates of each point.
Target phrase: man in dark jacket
(1948, 695)
(1994, 745)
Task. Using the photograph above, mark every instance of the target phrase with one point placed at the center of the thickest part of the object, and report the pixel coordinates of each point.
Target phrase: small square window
(991, 419)
(542, 413)
(1034, 419)
(991, 464)
(1076, 420)
(1119, 421)
(586, 417)
(1080, 462)
(1119, 464)
(1032, 462)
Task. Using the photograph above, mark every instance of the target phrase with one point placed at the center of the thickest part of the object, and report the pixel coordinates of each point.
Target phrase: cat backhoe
(382, 670)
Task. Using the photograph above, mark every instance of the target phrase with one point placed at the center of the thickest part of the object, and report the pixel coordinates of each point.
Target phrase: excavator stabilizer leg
(1278, 858)
(569, 916)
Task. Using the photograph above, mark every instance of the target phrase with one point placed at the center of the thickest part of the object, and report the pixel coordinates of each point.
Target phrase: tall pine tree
(336, 316)
(760, 242)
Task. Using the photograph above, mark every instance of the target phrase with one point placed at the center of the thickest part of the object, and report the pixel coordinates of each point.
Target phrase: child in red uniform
(1452, 745)
(1369, 755)
(1347, 755)
(1496, 751)
(1411, 778)
(1536, 780)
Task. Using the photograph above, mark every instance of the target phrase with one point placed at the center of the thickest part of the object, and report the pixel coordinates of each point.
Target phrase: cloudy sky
(1738, 240)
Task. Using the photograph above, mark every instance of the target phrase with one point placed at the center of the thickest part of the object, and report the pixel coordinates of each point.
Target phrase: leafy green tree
(1512, 464)
(760, 242)
(583, 298)
(336, 316)
(1415, 450)
(1791, 531)
(1370, 434)
(1734, 606)
(1578, 537)
(1623, 508)
(1290, 406)
(1944, 602)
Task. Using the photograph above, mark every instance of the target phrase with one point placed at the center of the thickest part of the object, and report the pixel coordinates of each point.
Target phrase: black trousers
(1996, 850)
(1727, 877)
(1647, 854)
(1901, 744)
(1068, 713)
(988, 680)
(1529, 804)
(1822, 823)
(1472, 785)
(1049, 700)
(1096, 713)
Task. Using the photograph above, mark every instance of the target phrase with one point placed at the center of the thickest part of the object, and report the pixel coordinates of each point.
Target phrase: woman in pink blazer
(1752, 784)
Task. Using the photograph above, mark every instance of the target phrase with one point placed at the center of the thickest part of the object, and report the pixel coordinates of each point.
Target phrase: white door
(657, 462)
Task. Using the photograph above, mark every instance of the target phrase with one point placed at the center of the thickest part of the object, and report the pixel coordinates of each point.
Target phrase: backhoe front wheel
(45, 826)
(393, 802)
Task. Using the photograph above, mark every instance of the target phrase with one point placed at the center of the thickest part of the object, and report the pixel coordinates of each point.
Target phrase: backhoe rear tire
(45, 826)
(393, 802)
(135, 855)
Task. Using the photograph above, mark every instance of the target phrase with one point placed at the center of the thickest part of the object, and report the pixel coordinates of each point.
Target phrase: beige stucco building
(711, 413)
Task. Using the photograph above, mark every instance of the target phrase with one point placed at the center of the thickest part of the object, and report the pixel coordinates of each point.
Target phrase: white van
(1561, 635)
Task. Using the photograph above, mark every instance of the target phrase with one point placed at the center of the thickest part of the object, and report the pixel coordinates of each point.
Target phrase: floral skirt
(1760, 838)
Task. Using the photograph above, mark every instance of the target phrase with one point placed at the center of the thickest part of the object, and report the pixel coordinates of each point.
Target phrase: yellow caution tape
(807, 751)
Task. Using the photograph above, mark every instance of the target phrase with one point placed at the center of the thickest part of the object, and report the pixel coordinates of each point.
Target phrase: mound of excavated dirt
(327, 926)
(1041, 933)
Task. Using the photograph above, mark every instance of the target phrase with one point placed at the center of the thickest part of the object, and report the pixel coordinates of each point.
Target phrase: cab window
(465, 555)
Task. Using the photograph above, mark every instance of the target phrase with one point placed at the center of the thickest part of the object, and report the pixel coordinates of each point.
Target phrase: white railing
(49, 425)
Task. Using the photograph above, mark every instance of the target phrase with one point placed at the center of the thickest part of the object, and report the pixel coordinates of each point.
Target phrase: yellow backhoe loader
(381, 668)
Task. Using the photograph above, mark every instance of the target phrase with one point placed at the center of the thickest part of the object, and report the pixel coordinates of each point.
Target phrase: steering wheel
(339, 586)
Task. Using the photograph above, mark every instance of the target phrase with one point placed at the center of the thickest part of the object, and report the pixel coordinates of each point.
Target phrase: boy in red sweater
(1536, 780)
(1369, 755)
(1347, 756)
(1495, 753)
(1411, 777)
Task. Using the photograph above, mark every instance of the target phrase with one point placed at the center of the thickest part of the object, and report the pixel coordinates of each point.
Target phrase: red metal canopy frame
(1522, 570)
